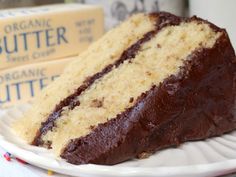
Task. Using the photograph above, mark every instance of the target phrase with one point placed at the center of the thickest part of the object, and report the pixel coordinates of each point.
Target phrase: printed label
(37, 34)
(22, 83)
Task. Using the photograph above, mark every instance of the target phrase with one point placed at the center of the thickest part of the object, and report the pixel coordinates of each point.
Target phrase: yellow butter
(22, 83)
(35, 34)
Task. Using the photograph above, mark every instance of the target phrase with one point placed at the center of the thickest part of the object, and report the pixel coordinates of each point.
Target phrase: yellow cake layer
(110, 95)
(100, 54)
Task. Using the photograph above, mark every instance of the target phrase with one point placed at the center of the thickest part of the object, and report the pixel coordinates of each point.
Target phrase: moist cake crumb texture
(100, 54)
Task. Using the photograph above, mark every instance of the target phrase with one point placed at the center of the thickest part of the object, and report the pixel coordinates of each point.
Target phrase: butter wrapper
(21, 84)
(50, 32)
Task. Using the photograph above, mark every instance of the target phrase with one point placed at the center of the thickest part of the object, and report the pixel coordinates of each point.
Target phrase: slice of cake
(155, 81)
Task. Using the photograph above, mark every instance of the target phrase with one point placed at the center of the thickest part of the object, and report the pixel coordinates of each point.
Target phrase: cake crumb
(48, 144)
(131, 100)
(201, 44)
(92, 127)
(148, 73)
(144, 155)
(97, 103)
(158, 46)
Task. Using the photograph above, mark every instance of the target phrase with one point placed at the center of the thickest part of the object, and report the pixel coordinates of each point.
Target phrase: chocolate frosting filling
(162, 19)
(197, 103)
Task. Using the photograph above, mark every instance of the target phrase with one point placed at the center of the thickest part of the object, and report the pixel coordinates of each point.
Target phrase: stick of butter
(35, 34)
(20, 84)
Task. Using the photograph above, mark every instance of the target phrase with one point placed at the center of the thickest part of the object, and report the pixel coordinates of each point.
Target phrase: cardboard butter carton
(21, 84)
(29, 35)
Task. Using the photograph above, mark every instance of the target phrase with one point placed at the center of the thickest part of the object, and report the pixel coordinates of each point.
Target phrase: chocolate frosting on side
(162, 20)
(196, 104)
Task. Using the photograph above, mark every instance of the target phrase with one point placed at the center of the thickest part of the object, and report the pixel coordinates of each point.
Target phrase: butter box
(35, 34)
(20, 84)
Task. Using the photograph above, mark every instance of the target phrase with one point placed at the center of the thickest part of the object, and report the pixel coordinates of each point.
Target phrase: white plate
(215, 156)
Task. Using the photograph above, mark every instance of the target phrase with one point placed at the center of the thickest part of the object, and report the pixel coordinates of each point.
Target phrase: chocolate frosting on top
(197, 103)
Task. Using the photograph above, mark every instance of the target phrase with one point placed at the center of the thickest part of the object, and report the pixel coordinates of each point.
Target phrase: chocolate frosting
(197, 103)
